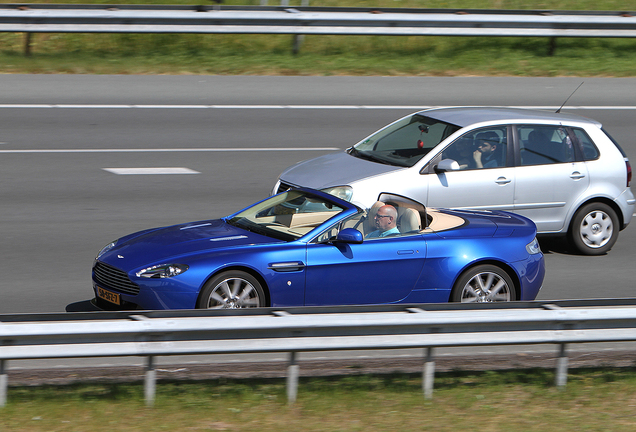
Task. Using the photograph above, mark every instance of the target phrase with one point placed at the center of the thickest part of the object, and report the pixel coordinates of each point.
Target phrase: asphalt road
(58, 134)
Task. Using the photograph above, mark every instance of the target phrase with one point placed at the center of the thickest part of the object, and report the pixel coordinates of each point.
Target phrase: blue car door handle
(405, 252)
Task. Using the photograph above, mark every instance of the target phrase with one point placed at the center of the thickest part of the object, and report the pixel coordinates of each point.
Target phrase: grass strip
(329, 55)
(595, 399)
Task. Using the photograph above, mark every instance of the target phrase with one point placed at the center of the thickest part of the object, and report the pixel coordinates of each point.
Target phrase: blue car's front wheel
(231, 290)
(483, 284)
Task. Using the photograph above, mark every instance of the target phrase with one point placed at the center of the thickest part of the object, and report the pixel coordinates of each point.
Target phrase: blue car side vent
(287, 266)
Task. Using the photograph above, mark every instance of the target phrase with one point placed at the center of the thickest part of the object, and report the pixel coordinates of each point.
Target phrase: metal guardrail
(305, 20)
(294, 330)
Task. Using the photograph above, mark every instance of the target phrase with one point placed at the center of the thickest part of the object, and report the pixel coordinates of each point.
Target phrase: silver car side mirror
(446, 165)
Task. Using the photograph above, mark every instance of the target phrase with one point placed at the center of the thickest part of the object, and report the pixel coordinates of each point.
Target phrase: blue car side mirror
(349, 235)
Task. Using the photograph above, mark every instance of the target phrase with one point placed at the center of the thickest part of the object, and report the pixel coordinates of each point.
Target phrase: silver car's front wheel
(232, 290)
(594, 229)
(484, 284)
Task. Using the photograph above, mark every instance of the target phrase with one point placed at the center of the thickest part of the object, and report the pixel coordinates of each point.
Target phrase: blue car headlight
(533, 247)
(162, 271)
(106, 248)
(342, 192)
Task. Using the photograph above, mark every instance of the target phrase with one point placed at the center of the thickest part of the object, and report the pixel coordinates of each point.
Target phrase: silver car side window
(544, 144)
(590, 151)
(481, 148)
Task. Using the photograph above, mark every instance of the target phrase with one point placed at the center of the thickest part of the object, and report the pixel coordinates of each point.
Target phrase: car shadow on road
(82, 306)
(557, 245)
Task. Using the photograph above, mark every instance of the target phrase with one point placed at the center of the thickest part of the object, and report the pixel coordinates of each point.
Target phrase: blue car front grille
(108, 276)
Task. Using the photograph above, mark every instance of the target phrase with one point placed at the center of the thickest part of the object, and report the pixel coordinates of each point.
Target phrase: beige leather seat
(408, 221)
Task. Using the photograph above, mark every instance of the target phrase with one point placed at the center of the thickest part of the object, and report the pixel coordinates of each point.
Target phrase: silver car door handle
(502, 180)
(576, 175)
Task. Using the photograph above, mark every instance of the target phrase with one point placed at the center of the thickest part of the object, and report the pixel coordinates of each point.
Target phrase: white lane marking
(318, 107)
(160, 150)
(147, 171)
(135, 106)
(139, 106)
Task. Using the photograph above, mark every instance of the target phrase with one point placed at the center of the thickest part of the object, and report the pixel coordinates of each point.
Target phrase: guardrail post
(552, 47)
(562, 367)
(428, 373)
(298, 41)
(299, 38)
(150, 382)
(4, 382)
(27, 44)
(292, 378)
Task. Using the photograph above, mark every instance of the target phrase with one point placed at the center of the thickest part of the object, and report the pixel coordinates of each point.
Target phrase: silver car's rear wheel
(232, 290)
(484, 284)
(594, 229)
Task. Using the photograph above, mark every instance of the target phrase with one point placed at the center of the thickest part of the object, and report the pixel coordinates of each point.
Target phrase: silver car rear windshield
(404, 142)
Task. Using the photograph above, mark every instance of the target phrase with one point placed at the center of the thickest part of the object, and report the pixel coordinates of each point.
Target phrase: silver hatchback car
(564, 172)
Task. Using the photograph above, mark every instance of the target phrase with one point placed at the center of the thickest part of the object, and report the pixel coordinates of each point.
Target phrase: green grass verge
(328, 55)
(598, 399)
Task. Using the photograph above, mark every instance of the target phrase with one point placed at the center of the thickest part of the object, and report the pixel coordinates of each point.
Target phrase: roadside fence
(306, 20)
(295, 330)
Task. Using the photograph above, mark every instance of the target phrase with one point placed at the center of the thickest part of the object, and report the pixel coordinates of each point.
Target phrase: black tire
(233, 289)
(594, 229)
(484, 283)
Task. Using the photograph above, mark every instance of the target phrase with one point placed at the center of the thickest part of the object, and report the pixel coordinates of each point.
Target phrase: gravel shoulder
(315, 368)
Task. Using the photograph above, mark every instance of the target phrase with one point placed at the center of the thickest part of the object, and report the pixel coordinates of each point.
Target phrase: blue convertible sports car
(305, 247)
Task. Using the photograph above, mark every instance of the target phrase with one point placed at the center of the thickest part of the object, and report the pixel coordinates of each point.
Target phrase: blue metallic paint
(413, 269)
(372, 272)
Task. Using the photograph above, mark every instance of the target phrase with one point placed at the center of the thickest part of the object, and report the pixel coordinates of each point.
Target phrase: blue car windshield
(287, 216)
(404, 142)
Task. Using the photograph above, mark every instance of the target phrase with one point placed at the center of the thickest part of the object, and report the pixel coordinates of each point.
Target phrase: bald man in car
(385, 222)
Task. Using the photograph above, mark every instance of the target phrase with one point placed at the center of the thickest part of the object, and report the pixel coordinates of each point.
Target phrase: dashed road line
(150, 171)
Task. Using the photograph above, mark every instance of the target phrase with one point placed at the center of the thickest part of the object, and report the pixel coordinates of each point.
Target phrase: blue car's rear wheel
(232, 290)
(483, 284)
